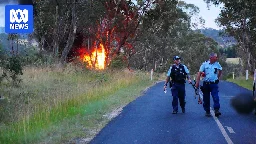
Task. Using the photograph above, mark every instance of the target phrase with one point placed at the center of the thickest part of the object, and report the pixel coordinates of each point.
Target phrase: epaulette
(204, 62)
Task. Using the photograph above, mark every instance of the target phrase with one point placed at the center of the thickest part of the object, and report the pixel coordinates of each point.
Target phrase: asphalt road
(149, 119)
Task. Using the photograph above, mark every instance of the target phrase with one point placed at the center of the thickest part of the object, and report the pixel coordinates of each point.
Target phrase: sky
(2, 8)
(2, 14)
(208, 15)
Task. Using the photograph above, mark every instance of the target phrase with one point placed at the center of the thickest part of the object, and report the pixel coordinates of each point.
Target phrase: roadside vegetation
(241, 81)
(53, 105)
(81, 65)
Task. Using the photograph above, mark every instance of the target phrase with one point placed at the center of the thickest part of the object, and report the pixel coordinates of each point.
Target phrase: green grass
(241, 81)
(55, 106)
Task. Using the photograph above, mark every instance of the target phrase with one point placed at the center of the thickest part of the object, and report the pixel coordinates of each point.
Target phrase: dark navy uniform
(178, 73)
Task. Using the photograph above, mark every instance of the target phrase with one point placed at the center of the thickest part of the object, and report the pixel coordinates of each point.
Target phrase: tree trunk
(247, 48)
(56, 33)
(71, 37)
(41, 44)
(17, 44)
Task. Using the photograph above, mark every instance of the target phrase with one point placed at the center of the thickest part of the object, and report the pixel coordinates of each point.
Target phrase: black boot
(208, 114)
(183, 110)
(217, 113)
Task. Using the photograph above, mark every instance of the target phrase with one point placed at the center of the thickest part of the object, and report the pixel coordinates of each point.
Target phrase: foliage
(238, 19)
(228, 76)
(14, 67)
(230, 52)
(58, 22)
(32, 57)
(241, 81)
(219, 36)
(7, 43)
(196, 49)
(230, 69)
(62, 28)
(117, 63)
(50, 99)
(146, 33)
(11, 67)
(166, 31)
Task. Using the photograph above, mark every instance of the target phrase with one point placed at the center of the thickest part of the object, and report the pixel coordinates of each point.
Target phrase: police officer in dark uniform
(212, 70)
(178, 73)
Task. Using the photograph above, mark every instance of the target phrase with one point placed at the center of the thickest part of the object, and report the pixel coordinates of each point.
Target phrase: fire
(97, 58)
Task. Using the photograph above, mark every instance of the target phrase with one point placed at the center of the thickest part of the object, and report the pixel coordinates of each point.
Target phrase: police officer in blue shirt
(212, 70)
(178, 73)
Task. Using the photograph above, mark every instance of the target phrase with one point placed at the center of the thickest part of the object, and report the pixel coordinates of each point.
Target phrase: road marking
(227, 96)
(230, 129)
(223, 131)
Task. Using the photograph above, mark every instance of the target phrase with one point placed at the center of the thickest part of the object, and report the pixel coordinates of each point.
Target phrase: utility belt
(179, 82)
(175, 82)
(211, 82)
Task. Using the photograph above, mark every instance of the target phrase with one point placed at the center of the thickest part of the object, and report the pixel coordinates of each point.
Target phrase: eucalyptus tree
(166, 30)
(57, 22)
(195, 49)
(238, 19)
(60, 25)
(158, 32)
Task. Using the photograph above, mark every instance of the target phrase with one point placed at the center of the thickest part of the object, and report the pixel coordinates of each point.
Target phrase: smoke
(25, 2)
(3, 3)
(28, 2)
(8, 1)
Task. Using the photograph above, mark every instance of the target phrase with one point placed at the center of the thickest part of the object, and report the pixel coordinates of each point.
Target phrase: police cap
(176, 57)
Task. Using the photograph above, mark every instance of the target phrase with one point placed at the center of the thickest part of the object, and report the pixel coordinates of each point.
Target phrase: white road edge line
(223, 131)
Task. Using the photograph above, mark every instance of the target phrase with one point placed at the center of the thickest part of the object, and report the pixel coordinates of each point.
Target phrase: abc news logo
(19, 19)
(16, 21)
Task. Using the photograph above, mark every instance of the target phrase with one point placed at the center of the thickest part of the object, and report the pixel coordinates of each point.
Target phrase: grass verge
(56, 106)
(241, 81)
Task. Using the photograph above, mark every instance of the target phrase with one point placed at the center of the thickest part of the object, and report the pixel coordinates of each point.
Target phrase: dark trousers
(178, 94)
(212, 89)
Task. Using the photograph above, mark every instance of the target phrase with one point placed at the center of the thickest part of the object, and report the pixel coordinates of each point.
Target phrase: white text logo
(14, 16)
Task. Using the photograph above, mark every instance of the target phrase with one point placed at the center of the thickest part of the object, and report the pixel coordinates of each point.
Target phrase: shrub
(117, 62)
(229, 69)
(228, 76)
(32, 56)
(10, 66)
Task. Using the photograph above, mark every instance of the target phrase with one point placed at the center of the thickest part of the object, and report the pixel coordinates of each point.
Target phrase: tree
(165, 32)
(107, 22)
(238, 19)
(58, 22)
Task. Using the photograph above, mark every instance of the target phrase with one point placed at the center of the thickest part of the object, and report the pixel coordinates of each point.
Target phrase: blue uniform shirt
(210, 70)
(170, 70)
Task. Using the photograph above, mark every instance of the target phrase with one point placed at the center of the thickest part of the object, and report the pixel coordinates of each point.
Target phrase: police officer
(212, 70)
(178, 73)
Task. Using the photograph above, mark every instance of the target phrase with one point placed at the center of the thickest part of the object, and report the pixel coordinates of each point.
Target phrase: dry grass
(43, 87)
(47, 96)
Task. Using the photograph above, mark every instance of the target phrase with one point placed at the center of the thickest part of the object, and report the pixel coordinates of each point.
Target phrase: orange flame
(96, 59)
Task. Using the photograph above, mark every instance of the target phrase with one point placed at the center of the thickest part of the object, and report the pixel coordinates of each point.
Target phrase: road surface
(149, 120)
